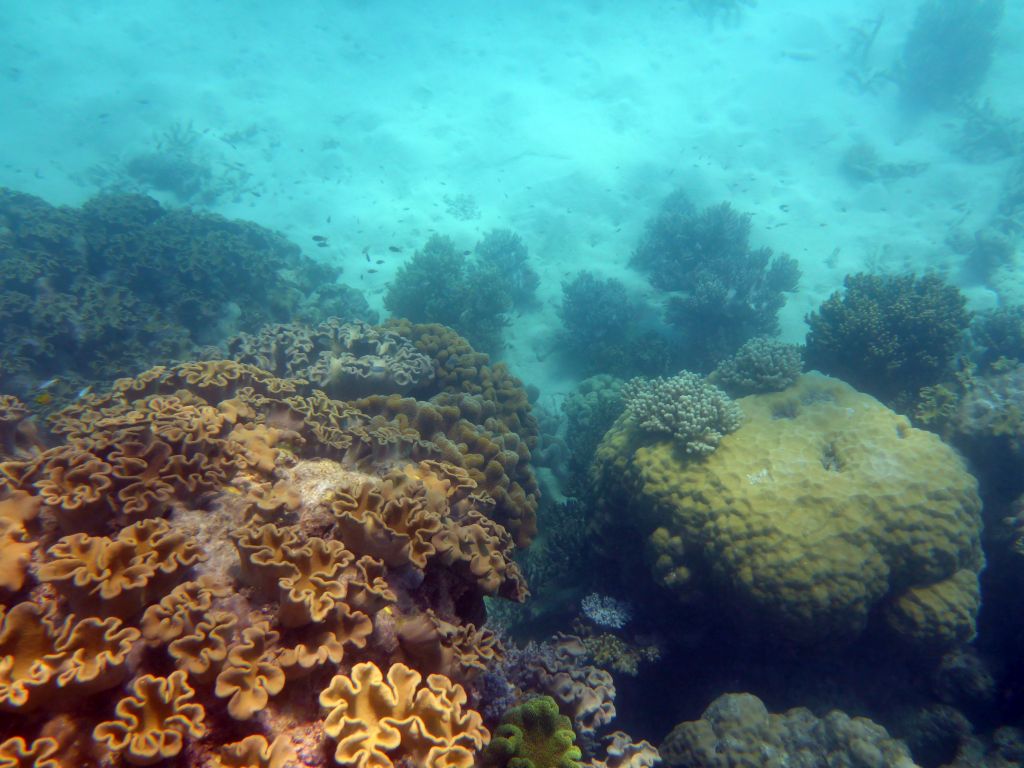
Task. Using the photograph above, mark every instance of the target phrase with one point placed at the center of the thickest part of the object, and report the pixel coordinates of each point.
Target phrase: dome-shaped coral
(821, 507)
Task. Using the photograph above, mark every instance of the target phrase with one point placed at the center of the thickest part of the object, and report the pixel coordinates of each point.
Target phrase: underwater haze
(576, 383)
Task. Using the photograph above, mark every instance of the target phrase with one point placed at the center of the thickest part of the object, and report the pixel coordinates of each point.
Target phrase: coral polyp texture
(823, 510)
(210, 565)
(737, 729)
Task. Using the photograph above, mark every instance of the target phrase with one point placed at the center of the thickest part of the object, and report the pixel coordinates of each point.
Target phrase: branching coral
(888, 336)
(121, 283)
(722, 292)
(695, 413)
(438, 285)
(760, 365)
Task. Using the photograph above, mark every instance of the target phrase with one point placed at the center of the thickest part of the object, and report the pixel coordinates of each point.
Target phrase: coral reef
(439, 285)
(737, 729)
(760, 365)
(695, 413)
(533, 735)
(602, 329)
(502, 256)
(590, 410)
(948, 51)
(721, 292)
(889, 336)
(122, 283)
(345, 360)
(822, 508)
(998, 334)
(204, 549)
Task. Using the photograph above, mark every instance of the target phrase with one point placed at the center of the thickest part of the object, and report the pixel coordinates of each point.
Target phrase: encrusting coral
(205, 544)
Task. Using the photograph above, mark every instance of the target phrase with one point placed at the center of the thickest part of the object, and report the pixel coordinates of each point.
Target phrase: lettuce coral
(202, 545)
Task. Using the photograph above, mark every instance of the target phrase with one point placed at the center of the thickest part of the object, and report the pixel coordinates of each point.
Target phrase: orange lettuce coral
(152, 724)
(378, 722)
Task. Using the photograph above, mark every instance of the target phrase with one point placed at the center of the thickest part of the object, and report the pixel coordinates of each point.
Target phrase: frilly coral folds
(192, 553)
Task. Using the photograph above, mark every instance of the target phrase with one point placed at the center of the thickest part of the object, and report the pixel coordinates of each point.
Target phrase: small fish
(319, 238)
(321, 245)
(328, 219)
(366, 255)
(232, 489)
(43, 398)
(49, 383)
(379, 261)
(394, 249)
(372, 271)
(84, 391)
(466, 253)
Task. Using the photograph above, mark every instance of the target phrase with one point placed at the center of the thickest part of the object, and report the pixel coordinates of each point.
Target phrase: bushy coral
(948, 51)
(997, 334)
(502, 256)
(888, 335)
(590, 410)
(760, 365)
(721, 292)
(693, 412)
(122, 283)
(533, 735)
(602, 332)
(440, 285)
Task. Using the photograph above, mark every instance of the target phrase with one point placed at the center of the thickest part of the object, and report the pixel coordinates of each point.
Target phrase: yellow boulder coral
(822, 506)
(380, 722)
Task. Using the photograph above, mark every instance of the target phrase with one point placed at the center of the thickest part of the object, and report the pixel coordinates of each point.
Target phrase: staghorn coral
(695, 413)
(439, 285)
(377, 720)
(948, 51)
(152, 723)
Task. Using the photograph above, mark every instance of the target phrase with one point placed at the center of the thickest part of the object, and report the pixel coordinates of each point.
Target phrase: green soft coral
(533, 735)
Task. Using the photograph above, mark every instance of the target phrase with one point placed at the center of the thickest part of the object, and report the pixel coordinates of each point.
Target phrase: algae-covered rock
(822, 506)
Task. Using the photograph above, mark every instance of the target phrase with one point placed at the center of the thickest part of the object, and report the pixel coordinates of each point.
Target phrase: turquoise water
(591, 193)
